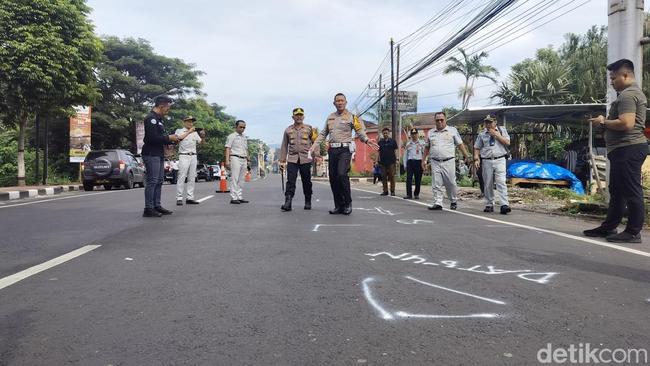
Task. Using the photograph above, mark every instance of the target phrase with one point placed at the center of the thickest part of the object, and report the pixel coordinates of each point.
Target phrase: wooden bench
(561, 183)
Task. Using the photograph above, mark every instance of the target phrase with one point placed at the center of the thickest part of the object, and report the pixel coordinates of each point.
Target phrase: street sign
(80, 134)
(407, 101)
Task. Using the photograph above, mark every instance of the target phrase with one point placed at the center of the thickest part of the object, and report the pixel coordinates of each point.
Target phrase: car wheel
(108, 187)
(88, 186)
(129, 182)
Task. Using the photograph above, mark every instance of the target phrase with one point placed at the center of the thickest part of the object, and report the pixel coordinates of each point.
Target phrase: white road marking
(10, 280)
(404, 314)
(532, 228)
(317, 226)
(455, 291)
(414, 221)
(205, 198)
(60, 198)
(366, 291)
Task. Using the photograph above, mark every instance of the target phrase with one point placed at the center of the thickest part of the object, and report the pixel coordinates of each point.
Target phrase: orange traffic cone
(247, 177)
(223, 183)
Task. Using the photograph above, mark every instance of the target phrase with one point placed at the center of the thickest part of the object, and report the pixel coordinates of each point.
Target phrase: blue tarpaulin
(537, 170)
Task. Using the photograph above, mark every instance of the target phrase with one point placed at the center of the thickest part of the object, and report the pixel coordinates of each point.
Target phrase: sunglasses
(440, 120)
(242, 127)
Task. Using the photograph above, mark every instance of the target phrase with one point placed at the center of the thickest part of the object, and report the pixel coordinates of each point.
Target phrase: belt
(442, 160)
(415, 160)
(495, 158)
(237, 156)
(339, 144)
(186, 153)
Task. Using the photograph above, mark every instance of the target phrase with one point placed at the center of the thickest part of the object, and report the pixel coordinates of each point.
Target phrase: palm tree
(471, 67)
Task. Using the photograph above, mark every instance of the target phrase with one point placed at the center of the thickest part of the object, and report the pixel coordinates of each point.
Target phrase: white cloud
(262, 58)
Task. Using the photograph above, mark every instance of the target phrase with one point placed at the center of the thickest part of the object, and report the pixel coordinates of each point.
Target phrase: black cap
(189, 118)
(162, 99)
(413, 131)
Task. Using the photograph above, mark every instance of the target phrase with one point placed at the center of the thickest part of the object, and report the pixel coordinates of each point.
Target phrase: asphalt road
(392, 284)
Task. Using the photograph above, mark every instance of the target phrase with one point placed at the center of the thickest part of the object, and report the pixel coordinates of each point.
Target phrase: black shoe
(179, 202)
(488, 209)
(192, 202)
(287, 204)
(384, 194)
(162, 210)
(434, 208)
(243, 201)
(624, 237)
(307, 203)
(505, 209)
(392, 193)
(335, 211)
(347, 210)
(416, 197)
(599, 232)
(234, 202)
(150, 212)
(453, 206)
(408, 197)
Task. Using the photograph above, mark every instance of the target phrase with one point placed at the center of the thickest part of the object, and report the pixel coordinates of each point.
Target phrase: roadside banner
(80, 134)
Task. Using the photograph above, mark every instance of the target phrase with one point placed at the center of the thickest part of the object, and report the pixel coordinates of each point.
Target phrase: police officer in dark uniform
(153, 155)
(296, 141)
(339, 126)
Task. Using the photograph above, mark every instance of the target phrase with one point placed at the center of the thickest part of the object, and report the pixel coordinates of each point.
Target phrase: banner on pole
(80, 134)
(407, 101)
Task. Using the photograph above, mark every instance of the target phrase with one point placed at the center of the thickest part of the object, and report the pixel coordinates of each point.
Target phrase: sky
(262, 58)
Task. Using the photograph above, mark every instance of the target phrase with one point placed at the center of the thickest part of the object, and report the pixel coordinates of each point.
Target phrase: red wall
(362, 159)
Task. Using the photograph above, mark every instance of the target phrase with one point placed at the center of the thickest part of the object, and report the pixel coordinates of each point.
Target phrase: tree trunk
(469, 92)
(21, 150)
(465, 94)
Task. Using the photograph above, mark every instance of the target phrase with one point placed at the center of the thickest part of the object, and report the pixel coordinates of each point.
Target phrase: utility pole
(393, 100)
(399, 114)
(38, 146)
(624, 37)
(46, 150)
(377, 87)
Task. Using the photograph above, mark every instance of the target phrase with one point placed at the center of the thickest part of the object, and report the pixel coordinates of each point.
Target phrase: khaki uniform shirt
(442, 144)
(238, 144)
(296, 142)
(340, 126)
(490, 147)
(188, 144)
(629, 100)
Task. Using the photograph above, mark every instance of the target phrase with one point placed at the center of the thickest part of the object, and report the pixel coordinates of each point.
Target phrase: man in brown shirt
(339, 127)
(296, 141)
(627, 149)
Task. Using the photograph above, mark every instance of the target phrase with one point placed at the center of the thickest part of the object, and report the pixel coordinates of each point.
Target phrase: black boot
(307, 202)
(287, 203)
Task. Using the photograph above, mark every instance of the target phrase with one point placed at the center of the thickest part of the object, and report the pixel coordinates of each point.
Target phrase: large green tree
(130, 75)
(47, 54)
(472, 68)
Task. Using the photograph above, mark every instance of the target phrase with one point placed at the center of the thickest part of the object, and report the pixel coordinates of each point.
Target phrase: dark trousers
(305, 177)
(625, 188)
(339, 165)
(413, 168)
(388, 175)
(155, 177)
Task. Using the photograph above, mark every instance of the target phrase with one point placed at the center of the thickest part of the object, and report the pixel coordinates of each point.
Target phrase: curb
(29, 193)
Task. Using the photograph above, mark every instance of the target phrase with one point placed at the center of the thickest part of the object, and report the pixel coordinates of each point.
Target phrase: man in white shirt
(189, 138)
(237, 161)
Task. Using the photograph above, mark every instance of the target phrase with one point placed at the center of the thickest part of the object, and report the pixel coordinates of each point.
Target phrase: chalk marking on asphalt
(386, 315)
(17, 277)
(524, 274)
(413, 221)
(366, 291)
(318, 226)
(378, 211)
(532, 228)
(205, 198)
(455, 291)
(61, 198)
(404, 314)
